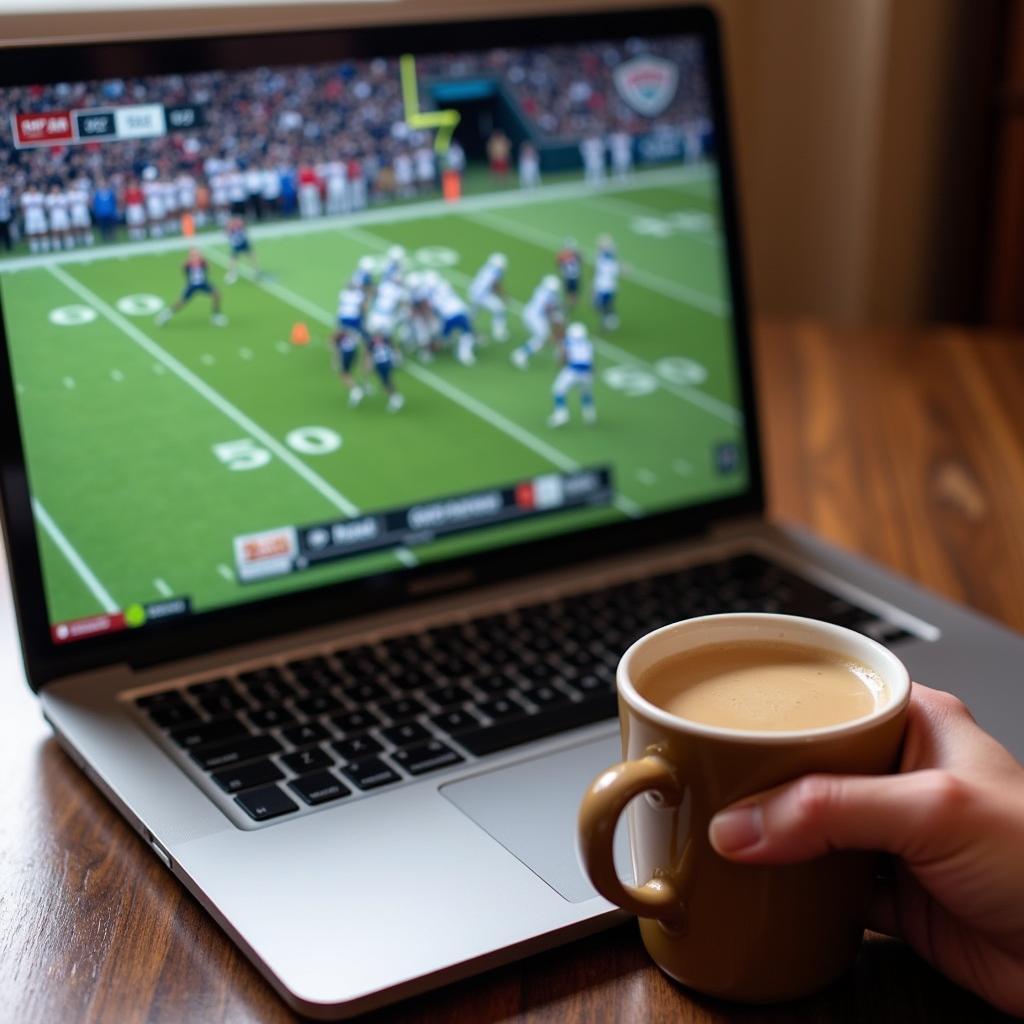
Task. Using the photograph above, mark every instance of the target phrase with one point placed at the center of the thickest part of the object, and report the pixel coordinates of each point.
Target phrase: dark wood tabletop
(907, 447)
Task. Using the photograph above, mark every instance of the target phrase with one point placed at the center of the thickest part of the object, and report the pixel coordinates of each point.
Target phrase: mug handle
(602, 806)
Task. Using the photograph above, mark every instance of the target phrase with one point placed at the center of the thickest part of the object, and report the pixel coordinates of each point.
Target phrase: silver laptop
(366, 393)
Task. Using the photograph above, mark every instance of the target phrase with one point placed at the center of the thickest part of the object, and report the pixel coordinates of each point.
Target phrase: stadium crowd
(298, 141)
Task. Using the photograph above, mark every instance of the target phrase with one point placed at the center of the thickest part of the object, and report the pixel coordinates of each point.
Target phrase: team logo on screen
(647, 84)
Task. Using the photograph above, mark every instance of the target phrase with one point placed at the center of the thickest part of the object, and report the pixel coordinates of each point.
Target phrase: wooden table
(908, 448)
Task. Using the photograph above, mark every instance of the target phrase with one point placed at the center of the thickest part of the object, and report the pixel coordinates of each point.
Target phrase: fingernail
(737, 829)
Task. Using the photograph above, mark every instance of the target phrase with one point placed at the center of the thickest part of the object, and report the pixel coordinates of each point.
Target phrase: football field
(150, 448)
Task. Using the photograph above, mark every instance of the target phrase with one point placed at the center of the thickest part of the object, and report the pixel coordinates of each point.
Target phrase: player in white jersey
(59, 215)
(349, 335)
(488, 292)
(577, 372)
(234, 182)
(169, 193)
(219, 194)
(542, 316)
(185, 186)
(426, 167)
(33, 210)
(592, 151)
(424, 327)
(529, 166)
(387, 308)
(79, 195)
(606, 282)
(620, 146)
(405, 175)
(453, 316)
(394, 263)
(153, 191)
(338, 198)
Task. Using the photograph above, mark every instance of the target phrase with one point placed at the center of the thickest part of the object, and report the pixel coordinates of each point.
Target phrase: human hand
(953, 818)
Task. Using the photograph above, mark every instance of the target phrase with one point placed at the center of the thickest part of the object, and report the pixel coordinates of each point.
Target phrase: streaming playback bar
(291, 549)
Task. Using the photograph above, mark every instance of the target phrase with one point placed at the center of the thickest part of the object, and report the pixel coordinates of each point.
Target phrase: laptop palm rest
(531, 807)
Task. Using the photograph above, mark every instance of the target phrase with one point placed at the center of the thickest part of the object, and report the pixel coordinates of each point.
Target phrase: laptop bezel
(217, 629)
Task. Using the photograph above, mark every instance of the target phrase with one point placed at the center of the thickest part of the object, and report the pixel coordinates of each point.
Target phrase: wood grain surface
(908, 448)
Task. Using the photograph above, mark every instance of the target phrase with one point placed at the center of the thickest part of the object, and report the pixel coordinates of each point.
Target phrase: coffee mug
(742, 932)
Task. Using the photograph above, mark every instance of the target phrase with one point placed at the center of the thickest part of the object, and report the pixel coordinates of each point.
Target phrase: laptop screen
(278, 327)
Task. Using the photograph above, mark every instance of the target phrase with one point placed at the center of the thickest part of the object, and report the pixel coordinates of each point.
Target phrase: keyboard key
(264, 674)
(545, 696)
(405, 734)
(303, 735)
(318, 704)
(364, 692)
(204, 733)
(371, 773)
(319, 788)
(399, 710)
(269, 692)
(445, 696)
(426, 757)
(271, 717)
(353, 722)
(245, 776)
(356, 748)
(225, 703)
(502, 708)
(512, 732)
(455, 721)
(243, 748)
(171, 714)
(307, 760)
(267, 802)
(210, 686)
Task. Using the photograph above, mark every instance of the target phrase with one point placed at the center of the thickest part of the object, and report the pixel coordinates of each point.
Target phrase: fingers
(913, 816)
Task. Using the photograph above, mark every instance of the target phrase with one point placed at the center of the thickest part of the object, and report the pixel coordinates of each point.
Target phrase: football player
(542, 316)
(33, 209)
(488, 292)
(453, 315)
(423, 322)
(197, 280)
(59, 214)
(606, 282)
(394, 263)
(577, 372)
(570, 269)
(238, 242)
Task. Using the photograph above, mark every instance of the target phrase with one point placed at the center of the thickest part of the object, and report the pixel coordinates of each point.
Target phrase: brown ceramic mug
(743, 932)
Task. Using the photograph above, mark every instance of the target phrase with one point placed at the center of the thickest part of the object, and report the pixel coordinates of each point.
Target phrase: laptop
(365, 394)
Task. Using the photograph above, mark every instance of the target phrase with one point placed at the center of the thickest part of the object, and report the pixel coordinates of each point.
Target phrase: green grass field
(150, 448)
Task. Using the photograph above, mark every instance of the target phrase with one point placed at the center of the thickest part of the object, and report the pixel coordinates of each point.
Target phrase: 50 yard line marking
(215, 398)
(75, 560)
(548, 452)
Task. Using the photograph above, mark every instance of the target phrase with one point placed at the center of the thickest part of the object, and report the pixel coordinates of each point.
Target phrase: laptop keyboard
(320, 729)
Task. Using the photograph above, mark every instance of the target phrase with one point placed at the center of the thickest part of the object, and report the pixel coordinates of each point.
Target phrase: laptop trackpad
(531, 808)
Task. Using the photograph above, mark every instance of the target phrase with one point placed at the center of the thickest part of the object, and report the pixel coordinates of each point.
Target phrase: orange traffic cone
(300, 334)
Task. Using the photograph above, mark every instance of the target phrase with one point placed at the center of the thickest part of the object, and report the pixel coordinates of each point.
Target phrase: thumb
(915, 816)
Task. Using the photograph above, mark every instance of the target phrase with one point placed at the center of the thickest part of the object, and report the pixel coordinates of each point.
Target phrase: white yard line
(431, 208)
(225, 573)
(652, 282)
(162, 588)
(215, 398)
(708, 403)
(85, 574)
(439, 384)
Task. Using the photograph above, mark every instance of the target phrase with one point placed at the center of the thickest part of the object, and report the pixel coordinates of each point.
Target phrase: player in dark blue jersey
(346, 349)
(383, 357)
(197, 280)
(238, 242)
(570, 269)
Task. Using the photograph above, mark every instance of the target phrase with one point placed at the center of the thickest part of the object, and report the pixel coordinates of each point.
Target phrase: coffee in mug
(762, 685)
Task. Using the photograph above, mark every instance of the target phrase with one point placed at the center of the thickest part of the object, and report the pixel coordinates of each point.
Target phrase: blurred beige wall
(842, 120)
